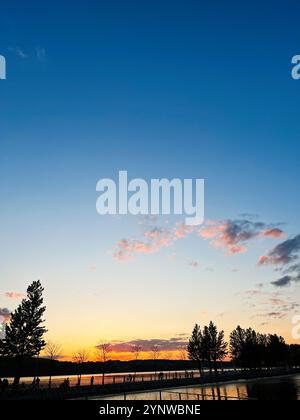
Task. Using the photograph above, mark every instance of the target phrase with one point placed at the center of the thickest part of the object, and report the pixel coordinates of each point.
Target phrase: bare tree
(182, 352)
(155, 350)
(80, 357)
(103, 351)
(136, 350)
(53, 352)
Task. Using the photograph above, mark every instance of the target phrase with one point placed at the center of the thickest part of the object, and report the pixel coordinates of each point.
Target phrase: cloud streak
(270, 304)
(146, 345)
(14, 295)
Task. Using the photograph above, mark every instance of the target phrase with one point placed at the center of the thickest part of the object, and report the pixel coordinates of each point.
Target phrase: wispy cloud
(270, 304)
(194, 264)
(154, 239)
(14, 295)
(19, 52)
(38, 53)
(233, 235)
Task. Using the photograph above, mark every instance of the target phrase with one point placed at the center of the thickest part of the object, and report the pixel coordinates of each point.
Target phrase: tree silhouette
(80, 357)
(252, 349)
(155, 350)
(215, 346)
(237, 343)
(277, 350)
(195, 347)
(24, 332)
(103, 349)
(136, 350)
(53, 352)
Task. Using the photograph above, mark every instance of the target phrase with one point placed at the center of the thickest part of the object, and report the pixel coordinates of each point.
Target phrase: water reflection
(276, 389)
(281, 388)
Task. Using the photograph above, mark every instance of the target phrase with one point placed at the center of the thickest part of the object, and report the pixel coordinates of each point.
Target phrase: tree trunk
(210, 366)
(19, 366)
(200, 367)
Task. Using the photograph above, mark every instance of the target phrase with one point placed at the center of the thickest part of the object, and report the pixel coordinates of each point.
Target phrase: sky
(160, 89)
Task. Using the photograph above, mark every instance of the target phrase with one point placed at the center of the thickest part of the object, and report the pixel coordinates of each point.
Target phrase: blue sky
(180, 89)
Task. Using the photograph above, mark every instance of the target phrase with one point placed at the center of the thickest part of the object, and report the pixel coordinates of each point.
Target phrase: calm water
(279, 388)
(108, 379)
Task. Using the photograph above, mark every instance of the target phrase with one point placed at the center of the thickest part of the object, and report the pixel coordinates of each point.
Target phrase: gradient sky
(160, 89)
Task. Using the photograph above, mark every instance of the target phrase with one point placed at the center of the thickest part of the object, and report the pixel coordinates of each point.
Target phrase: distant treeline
(46, 367)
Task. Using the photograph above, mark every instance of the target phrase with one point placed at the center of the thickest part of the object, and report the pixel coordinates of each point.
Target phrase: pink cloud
(210, 232)
(121, 256)
(14, 295)
(182, 230)
(273, 233)
(263, 259)
(268, 259)
(234, 234)
(155, 240)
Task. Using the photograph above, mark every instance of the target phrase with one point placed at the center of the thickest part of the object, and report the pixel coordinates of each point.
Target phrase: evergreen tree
(217, 344)
(24, 333)
(194, 347)
(253, 349)
(213, 345)
(238, 345)
(277, 350)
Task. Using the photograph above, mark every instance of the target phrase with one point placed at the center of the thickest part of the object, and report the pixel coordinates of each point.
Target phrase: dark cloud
(285, 255)
(4, 314)
(170, 344)
(277, 314)
(283, 281)
(233, 235)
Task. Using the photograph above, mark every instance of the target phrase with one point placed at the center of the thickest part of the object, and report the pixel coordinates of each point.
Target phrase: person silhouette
(4, 385)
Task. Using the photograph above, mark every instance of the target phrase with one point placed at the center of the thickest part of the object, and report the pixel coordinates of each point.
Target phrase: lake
(277, 388)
